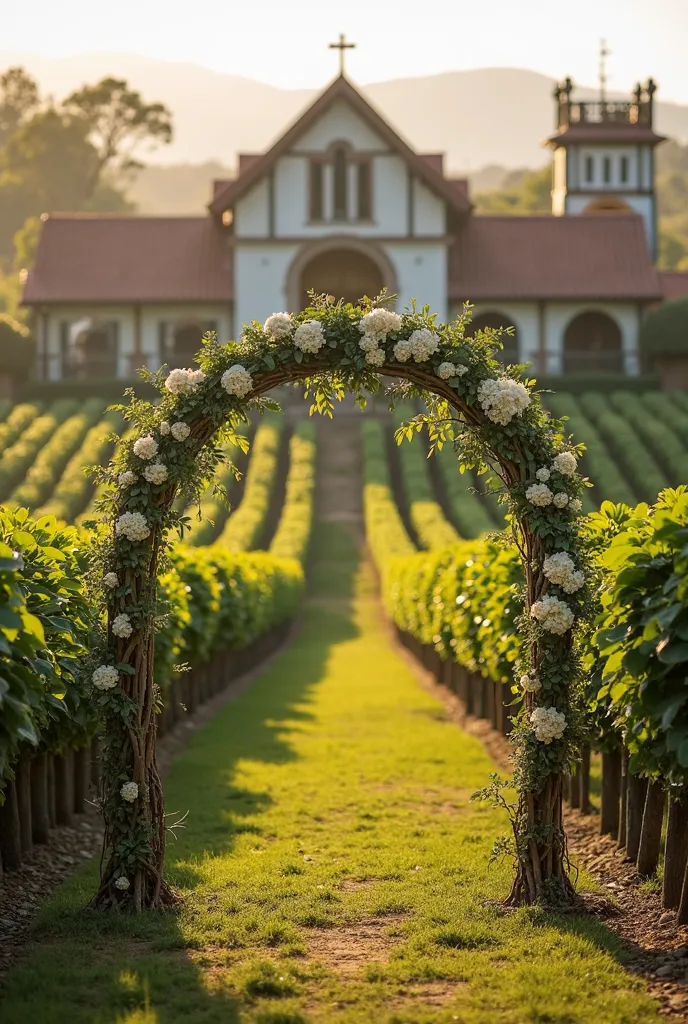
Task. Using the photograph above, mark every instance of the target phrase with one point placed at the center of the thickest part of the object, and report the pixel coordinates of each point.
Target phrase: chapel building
(343, 205)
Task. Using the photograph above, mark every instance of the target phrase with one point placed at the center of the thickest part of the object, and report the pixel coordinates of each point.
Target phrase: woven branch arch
(490, 414)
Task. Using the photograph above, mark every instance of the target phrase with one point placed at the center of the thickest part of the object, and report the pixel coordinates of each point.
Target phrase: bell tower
(604, 155)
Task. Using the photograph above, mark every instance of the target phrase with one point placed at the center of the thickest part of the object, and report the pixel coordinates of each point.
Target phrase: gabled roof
(340, 89)
(674, 284)
(586, 257)
(114, 259)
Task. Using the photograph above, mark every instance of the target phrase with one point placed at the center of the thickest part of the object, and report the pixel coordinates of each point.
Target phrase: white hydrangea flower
(110, 579)
(376, 357)
(368, 343)
(156, 473)
(543, 475)
(565, 463)
(531, 684)
(403, 350)
(503, 398)
(378, 323)
(560, 499)
(122, 626)
(447, 370)
(309, 337)
(576, 505)
(127, 478)
(164, 428)
(279, 325)
(133, 526)
(180, 430)
(146, 448)
(424, 343)
(553, 615)
(237, 381)
(548, 724)
(129, 791)
(105, 677)
(183, 381)
(560, 570)
(122, 883)
(539, 494)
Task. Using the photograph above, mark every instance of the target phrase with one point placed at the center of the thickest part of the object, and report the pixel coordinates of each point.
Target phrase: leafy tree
(521, 192)
(117, 121)
(19, 99)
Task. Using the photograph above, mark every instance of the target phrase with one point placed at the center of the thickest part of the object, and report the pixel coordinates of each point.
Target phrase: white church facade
(341, 204)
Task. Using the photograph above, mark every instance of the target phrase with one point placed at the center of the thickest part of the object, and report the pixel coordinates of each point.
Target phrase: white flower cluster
(548, 724)
(237, 381)
(133, 526)
(447, 370)
(110, 579)
(421, 344)
(560, 499)
(531, 684)
(129, 791)
(539, 494)
(180, 430)
(543, 475)
(309, 337)
(560, 570)
(182, 382)
(156, 473)
(146, 447)
(377, 324)
(279, 325)
(121, 626)
(122, 883)
(553, 615)
(576, 505)
(565, 463)
(503, 398)
(105, 677)
(164, 428)
(375, 356)
(127, 478)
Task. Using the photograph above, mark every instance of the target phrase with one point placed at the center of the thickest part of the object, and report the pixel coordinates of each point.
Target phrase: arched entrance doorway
(592, 343)
(509, 354)
(346, 273)
(92, 354)
(180, 342)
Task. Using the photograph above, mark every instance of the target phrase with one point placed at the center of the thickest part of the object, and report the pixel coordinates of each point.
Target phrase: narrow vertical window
(589, 169)
(607, 170)
(316, 190)
(624, 170)
(365, 198)
(340, 184)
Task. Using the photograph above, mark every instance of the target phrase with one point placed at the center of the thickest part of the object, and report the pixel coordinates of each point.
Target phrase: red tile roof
(586, 257)
(608, 132)
(674, 284)
(341, 88)
(89, 258)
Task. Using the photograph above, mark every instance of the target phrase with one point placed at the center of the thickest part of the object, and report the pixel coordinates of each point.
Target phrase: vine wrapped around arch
(489, 413)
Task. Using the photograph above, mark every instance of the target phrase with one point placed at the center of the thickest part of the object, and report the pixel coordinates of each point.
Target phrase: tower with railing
(604, 155)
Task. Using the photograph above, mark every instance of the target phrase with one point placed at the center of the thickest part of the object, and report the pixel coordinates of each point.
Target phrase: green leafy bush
(246, 524)
(17, 459)
(294, 528)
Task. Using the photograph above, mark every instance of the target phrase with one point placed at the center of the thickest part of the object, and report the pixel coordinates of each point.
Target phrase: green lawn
(334, 868)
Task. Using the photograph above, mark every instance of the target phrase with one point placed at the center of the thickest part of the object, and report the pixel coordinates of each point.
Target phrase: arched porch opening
(347, 268)
(91, 352)
(593, 344)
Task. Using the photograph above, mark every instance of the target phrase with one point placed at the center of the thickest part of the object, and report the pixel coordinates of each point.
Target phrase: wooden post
(52, 811)
(676, 851)
(611, 793)
(637, 788)
(40, 815)
(64, 788)
(81, 777)
(575, 786)
(651, 830)
(10, 836)
(623, 800)
(23, 787)
(584, 781)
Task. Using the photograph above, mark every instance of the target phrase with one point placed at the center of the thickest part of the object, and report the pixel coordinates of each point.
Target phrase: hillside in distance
(477, 117)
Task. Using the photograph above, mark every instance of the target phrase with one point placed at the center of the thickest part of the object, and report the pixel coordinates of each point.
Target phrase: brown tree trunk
(676, 851)
(40, 814)
(623, 801)
(23, 787)
(575, 786)
(52, 809)
(542, 871)
(682, 911)
(611, 785)
(651, 831)
(82, 771)
(10, 834)
(637, 788)
(584, 781)
(64, 788)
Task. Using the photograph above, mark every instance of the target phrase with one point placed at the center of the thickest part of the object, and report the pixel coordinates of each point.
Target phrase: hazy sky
(284, 42)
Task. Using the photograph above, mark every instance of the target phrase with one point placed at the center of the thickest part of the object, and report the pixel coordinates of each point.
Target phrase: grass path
(334, 868)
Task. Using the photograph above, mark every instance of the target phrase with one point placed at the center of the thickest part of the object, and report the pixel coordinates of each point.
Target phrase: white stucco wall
(251, 215)
(340, 121)
(429, 211)
(260, 278)
(421, 270)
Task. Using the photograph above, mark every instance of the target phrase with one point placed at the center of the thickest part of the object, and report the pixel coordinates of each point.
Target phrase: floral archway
(490, 414)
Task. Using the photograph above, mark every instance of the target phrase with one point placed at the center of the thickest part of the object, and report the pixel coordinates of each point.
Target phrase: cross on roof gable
(341, 88)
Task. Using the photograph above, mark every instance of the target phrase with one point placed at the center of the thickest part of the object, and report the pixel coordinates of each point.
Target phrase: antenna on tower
(604, 53)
